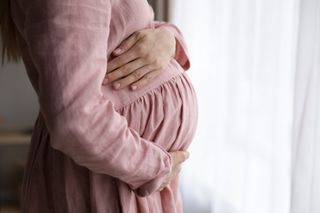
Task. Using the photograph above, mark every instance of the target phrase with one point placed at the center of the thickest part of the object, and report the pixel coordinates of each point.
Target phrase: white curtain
(255, 67)
(306, 131)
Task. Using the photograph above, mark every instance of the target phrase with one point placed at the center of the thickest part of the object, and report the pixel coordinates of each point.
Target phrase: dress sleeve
(67, 42)
(182, 55)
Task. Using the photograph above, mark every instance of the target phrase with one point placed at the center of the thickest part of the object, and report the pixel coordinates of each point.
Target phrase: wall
(18, 102)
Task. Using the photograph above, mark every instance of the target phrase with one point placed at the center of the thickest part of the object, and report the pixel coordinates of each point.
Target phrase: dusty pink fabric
(95, 149)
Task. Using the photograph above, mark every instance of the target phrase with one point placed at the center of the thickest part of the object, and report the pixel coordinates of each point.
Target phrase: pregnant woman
(115, 117)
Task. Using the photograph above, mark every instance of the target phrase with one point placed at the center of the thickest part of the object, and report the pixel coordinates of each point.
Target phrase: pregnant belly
(166, 114)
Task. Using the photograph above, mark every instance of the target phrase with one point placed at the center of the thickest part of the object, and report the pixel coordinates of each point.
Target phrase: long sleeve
(182, 55)
(67, 42)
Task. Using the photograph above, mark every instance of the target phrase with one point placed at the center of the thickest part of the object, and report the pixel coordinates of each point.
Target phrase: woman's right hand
(178, 158)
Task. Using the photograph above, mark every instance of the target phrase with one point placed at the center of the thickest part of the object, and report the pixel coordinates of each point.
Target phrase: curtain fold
(306, 129)
(251, 61)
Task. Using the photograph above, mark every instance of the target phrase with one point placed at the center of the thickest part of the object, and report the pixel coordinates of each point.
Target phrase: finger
(127, 44)
(146, 79)
(125, 70)
(164, 184)
(179, 157)
(121, 60)
(177, 169)
(133, 77)
(162, 188)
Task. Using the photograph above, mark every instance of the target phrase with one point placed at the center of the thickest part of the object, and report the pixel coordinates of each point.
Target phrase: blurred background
(255, 65)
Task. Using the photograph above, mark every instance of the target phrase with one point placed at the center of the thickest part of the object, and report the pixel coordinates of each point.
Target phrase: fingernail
(117, 51)
(134, 87)
(116, 85)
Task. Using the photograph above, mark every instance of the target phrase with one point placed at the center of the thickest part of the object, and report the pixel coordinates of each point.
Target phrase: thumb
(126, 44)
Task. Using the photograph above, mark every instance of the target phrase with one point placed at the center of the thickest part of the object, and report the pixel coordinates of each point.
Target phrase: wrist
(172, 38)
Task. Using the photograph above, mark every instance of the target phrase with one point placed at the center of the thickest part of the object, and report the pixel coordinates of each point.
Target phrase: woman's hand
(140, 58)
(177, 159)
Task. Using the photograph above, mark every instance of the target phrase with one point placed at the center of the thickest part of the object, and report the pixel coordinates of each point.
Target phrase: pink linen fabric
(95, 149)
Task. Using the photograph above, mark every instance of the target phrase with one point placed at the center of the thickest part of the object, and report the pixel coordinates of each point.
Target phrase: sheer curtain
(256, 147)
(306, 131)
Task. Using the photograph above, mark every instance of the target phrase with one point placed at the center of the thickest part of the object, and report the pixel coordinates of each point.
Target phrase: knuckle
(124, 71)
(141, 50)
(149, 57)
(137, 75)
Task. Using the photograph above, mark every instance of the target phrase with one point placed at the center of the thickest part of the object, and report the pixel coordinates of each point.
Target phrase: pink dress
(95, 149)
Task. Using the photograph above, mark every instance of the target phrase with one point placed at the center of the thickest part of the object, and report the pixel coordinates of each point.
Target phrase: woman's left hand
(140, 58)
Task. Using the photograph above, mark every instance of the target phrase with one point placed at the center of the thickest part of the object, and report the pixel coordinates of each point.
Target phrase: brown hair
(10, 50)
